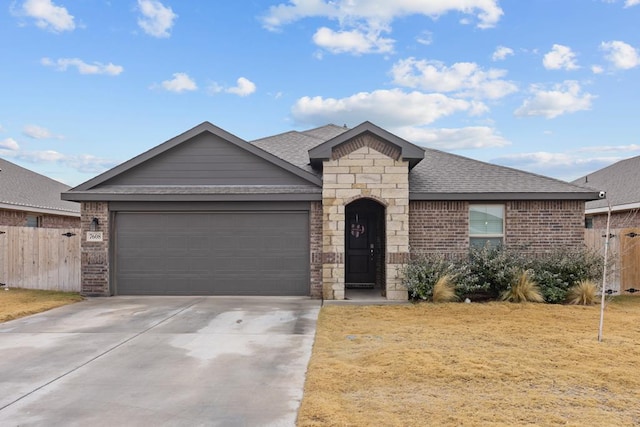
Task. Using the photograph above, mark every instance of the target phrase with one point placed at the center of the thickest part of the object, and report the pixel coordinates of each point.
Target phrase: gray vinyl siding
(206, 159)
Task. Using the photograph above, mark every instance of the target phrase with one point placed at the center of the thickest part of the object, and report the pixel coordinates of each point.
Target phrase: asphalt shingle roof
(294, 146)
(620, 180)
(442, 172)
(25, 190)
(438, 173)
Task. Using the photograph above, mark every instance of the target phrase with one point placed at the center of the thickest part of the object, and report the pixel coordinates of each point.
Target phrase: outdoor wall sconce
(94, 224)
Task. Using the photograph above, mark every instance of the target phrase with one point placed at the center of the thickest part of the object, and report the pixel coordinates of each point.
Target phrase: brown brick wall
(533, 226)
(539, 226)
(94, 274)
(438, 227)
(19, 219)
(365, 141)
(626, 219)
(315, 238)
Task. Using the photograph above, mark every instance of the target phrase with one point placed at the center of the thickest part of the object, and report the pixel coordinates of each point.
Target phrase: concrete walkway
(158, 361)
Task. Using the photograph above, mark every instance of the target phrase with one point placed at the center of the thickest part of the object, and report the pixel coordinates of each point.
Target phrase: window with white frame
(486, 225)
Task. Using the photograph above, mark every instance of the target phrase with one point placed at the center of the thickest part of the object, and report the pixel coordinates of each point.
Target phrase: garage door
(212, 253)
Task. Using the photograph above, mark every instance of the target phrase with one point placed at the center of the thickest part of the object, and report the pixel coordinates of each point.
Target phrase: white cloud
(244, 87)
(564, 165)
(621, 54)
(85, 163)
(462, 78)
(62, 64)
(610, 148)
(375, 13)
(560, 57)
(453, 139)
(48, 16)
(425, 38)
(157, 19)
(597, 69)
(564, 98)
(389, 108)
(9, 144)
(501, 53)
(361, 23)
(630, 3)
(38, 132)
(181, 82)
(354, 41)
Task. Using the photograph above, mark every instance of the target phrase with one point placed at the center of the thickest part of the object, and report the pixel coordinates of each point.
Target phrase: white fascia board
(627, 207)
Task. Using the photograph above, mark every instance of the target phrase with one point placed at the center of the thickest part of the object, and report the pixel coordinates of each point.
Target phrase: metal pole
(604, 273)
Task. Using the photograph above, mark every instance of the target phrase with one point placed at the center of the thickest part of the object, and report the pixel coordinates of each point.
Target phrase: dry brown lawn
(475, 365)
(16, 302)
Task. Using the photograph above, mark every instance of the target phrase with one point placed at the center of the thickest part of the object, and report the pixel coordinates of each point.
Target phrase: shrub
(445, 289)
(495, 269)
(582, 293)
(558, 271)
(421, 275)
(524, 289)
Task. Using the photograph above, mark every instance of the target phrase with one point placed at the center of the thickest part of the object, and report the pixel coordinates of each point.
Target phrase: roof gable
(371, 135)
(204, 155)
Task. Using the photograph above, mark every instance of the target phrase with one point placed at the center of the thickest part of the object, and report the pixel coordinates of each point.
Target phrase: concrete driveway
(158, 361)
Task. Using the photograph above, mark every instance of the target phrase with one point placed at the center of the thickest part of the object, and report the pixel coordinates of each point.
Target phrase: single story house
(28, 199)
(305, 213)
(621, 183)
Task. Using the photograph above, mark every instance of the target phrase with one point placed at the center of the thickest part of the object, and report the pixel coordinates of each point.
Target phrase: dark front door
(362, 243)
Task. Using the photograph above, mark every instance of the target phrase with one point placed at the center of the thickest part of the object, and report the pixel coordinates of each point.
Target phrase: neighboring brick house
(28, 199)
(621, 182)
(305, 213)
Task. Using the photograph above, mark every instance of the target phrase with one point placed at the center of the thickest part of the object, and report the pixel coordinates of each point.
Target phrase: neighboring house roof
(436, 175)
(25, 190)
(620, 181)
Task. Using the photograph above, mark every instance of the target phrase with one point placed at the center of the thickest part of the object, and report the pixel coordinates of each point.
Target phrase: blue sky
(547, 86)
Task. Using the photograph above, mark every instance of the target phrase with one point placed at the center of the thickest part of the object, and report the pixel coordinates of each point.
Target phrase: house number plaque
(94, 236)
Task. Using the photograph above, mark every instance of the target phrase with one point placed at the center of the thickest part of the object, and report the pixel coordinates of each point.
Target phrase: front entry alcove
(365, 247)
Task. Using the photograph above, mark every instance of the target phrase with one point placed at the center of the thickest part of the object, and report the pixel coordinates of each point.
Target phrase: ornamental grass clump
(445, 289)
(582, 293)
(524, 289)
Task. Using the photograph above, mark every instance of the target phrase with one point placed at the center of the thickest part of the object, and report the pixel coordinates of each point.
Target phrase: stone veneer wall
(94, 273)
(315, 239)
(364, 167)
(19, 219)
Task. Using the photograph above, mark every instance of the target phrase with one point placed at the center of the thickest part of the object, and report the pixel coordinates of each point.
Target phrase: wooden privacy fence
(40, 258)
(624, 256)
